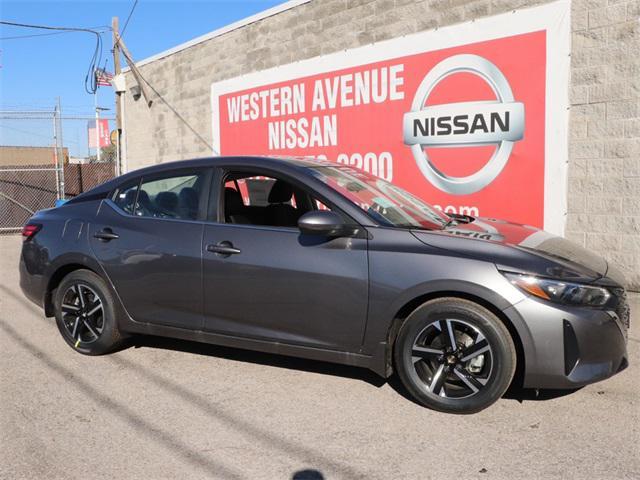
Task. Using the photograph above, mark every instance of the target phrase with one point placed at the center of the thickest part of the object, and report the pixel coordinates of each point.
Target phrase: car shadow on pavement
(260, 358)
(531, 394)
(515, 391)
(271, 359)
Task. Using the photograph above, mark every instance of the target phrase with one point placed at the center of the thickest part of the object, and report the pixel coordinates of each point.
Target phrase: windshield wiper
(455, 218)
(450, 222)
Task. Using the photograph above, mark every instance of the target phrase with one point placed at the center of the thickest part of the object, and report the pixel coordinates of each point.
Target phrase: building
(541, 121)
(29, 156)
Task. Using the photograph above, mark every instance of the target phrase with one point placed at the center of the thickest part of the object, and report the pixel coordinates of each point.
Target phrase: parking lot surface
(171, 409)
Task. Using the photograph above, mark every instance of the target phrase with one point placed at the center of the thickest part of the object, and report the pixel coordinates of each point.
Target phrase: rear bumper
(31, 281)
(570, 347)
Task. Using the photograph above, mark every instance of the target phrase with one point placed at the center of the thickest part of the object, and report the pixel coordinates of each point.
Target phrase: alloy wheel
(452, 358)
(82, 313)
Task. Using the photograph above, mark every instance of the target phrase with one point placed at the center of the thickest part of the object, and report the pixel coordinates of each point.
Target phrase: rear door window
(176, 196)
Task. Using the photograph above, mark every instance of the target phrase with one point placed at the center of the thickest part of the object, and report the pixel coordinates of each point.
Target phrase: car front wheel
(454, 356)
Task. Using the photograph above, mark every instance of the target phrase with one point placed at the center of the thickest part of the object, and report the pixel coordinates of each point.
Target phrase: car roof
(249, 160)
(296, 166)
(300, 163)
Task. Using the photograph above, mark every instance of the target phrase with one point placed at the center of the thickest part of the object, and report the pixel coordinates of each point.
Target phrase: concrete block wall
(604, 156)
(604, 129)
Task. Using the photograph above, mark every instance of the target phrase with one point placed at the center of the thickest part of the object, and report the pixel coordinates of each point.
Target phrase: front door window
(252, 199)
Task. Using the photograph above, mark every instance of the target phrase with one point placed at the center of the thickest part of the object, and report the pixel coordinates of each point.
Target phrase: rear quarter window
(125, 198)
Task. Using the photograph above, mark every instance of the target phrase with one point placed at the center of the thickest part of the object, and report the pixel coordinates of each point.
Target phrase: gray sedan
(322, 261)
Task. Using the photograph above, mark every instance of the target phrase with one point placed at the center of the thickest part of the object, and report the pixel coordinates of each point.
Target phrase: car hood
(517, 247)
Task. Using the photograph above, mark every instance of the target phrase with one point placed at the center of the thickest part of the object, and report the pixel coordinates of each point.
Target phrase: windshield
(386, 203)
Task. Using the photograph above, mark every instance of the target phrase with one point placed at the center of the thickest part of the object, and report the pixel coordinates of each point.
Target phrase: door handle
(223, 248)
(106, 235)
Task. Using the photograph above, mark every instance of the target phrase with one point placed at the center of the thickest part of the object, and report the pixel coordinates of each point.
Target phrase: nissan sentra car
(319, 260)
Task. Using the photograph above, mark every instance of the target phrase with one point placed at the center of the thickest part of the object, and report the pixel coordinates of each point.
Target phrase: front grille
(622, 309)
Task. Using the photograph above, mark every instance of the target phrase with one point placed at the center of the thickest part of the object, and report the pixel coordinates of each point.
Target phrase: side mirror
(324, 222)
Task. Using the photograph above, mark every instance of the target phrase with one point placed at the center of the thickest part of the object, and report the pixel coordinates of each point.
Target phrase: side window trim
(205, 194)
(135, 201)
(213, 207)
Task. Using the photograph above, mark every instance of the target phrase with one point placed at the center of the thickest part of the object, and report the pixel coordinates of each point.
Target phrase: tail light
(29, 230)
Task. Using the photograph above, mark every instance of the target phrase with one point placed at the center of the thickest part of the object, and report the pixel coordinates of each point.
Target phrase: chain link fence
(88, 168)
(38, 166)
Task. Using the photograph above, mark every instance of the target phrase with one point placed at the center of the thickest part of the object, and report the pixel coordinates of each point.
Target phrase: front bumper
(569, 347)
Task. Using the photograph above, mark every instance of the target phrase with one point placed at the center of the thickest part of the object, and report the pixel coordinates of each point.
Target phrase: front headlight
(559, 291)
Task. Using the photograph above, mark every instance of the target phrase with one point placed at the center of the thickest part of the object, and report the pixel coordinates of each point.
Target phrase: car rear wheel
(454, 356)
(85, 313)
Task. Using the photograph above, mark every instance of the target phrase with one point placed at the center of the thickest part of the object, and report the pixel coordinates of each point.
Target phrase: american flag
(103, 78)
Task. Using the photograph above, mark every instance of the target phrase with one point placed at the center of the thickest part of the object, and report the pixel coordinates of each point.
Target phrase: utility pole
(56, 151)
(134, 69)
(95, 101)
(116, 65)
(60, 142)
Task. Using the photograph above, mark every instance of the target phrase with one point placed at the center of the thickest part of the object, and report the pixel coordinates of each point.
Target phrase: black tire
(97, 333)
(435, 372)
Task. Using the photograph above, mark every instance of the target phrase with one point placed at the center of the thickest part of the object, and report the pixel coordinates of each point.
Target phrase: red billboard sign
(466, 126)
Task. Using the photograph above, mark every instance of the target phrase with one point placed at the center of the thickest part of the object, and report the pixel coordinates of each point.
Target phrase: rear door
(148, 238)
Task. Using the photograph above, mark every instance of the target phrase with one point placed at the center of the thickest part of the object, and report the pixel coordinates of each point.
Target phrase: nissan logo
(464, 124)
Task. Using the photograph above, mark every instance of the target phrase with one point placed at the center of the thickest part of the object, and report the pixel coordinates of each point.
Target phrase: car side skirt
(311, 353)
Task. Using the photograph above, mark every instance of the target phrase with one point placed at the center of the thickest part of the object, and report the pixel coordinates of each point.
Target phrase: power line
(48, 27)
(89, 79)
(135, 3)
(171, 107)
(50, 137)
(17, 109)
(18, 37)
(31, 36)
(136, 72)
(176, 113)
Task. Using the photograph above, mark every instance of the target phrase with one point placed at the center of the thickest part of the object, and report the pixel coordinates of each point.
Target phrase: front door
(264, 279)
(148, 238)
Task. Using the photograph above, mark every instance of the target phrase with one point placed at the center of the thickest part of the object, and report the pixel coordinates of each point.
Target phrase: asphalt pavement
(167, 409)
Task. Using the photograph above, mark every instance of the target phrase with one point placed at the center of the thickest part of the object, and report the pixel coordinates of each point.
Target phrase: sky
(35, 71)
